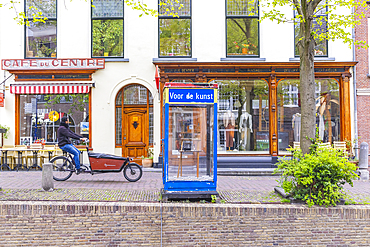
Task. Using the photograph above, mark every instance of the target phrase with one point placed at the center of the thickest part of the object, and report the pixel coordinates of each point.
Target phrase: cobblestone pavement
(114, 187)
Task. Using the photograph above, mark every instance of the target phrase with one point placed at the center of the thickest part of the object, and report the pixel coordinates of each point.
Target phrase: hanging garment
(296, 124)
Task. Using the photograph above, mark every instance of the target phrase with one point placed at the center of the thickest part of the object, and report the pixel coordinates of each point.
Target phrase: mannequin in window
(296, 125)
(320, 115)
(245, 128)
(229, 123)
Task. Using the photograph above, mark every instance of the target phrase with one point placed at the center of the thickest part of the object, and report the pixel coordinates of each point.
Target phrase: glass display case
(190, 145)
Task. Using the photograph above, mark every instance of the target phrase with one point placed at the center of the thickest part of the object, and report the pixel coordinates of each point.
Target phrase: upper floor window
(242, 28)
(175, 32)
(319, 25)
(107, 28)
(41, 37)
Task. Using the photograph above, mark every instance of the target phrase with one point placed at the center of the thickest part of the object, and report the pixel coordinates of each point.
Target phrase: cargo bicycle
(64, 166)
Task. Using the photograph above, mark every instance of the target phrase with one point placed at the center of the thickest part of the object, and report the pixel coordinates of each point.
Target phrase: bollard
(47, 177)
(363, 162)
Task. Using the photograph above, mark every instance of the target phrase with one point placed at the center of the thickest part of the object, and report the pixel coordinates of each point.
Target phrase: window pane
(174, 37)
(46, 7)
(107, 8)
(242, 36)
(242, 7)
(320, 27)
(41, 39)
(151, 126)
(75, 106)
(289, 112)
(182, 8)
(119, 98)
(107, 38)
(243, 122)
(135, 95)
(118, 125)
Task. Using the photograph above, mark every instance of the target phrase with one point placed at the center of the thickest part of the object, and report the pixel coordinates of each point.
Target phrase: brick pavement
(233, 189)
(116, 181)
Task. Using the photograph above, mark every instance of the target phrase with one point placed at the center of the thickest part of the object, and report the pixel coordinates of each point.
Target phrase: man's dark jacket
(64, 134)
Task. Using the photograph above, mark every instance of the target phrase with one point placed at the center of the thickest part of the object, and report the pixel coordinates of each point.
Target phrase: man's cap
(64, 119)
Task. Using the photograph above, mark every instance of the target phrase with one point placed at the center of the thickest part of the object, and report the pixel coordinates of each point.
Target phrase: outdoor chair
(10, 155)
(45, 153)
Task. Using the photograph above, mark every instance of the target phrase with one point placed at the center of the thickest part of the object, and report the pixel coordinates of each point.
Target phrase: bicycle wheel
(62, 168)
(132, 172)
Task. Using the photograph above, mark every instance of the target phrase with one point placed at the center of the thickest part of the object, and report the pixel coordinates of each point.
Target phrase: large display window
(190, 134)
(40, 116)
(243, 116)
(289, 112)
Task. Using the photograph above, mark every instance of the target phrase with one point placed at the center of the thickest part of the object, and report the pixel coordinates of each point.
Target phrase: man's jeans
(73, 150)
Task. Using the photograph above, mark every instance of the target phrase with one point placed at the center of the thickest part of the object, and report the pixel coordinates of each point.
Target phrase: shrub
(317, 177)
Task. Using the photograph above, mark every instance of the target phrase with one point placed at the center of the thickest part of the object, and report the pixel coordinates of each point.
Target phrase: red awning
(50, 88)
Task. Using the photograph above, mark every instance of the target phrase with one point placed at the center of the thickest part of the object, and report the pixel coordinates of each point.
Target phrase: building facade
(97, 65)
(362, 79)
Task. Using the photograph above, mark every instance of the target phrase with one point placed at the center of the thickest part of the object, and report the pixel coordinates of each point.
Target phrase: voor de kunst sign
(191, 95)
(37, 64)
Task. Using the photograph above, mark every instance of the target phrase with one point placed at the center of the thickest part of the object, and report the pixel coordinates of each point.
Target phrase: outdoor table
(20, 151)
(5, 159)
(34, 151)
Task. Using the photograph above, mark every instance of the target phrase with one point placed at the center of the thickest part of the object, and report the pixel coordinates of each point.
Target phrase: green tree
(38, 15)
(338, 27)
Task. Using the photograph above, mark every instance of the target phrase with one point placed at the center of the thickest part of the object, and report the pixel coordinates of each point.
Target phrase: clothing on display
(245, 128)
(229, 123)
(296, 125)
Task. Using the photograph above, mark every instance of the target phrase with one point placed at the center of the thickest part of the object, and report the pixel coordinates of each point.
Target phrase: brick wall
(134, 224)
(362, 80)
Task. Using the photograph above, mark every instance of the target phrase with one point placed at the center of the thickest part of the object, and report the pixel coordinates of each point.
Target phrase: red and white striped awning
(50, 88)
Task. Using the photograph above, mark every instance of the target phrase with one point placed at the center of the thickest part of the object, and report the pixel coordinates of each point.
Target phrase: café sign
(52, 64)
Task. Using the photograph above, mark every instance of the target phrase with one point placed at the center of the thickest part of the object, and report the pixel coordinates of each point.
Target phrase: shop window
(243, 117)
(40, 116)
(242, 28)
(107, 28)
(175, 31)
(320, 29)
(289, 112)
(41, 37)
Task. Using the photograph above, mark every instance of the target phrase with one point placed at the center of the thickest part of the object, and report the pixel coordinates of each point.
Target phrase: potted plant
(4, 130)
(148, 160)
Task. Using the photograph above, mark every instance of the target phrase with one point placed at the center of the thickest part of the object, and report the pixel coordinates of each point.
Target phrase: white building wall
(140, 47)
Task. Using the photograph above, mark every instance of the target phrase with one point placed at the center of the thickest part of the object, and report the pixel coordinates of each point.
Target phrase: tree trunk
(307, 92)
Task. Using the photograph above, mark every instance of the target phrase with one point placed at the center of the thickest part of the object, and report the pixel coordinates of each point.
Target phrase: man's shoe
(78, 171)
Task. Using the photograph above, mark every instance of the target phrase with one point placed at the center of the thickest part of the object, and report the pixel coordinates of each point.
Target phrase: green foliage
(174, 37)
(6, 134)
(149, 152)
(78, 101)
(317, 177)
(338, 25)
(107, 37)
(213, 198)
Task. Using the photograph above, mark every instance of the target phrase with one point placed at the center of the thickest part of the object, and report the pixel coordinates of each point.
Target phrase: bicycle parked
(64, 166)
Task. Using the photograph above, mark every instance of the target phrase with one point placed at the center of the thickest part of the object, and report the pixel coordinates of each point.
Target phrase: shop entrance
(134, 121)
(135, 129)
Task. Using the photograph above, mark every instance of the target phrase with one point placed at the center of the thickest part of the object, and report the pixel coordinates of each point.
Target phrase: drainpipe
(354, 88)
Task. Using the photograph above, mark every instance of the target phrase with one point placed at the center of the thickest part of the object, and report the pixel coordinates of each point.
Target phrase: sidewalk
(25, 185)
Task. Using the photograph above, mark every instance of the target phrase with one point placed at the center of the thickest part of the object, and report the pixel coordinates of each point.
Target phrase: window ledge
(243, 59)
(178, 59)
(315, 59)
(117, 60)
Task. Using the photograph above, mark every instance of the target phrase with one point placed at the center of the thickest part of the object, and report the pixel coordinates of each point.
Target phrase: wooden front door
(135, 133)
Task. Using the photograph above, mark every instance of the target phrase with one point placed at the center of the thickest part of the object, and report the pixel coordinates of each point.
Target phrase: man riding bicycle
(64, 143)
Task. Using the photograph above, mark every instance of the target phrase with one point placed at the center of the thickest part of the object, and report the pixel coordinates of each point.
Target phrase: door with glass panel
(134, 121)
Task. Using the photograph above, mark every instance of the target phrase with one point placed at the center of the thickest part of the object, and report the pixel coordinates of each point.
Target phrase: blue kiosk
(190, 141)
